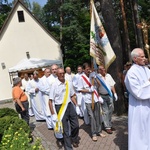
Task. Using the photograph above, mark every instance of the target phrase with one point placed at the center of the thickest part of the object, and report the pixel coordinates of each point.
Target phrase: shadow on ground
(121, 132)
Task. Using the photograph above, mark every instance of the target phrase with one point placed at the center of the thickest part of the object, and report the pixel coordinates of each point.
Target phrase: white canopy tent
(33, 63)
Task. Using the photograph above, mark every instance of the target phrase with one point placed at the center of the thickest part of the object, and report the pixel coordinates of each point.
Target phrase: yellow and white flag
(100, 47)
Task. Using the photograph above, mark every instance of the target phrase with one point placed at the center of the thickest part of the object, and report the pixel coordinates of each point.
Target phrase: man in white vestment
(35, 89)
(25, 81)
(69, 75)
(53, 76)
(137, 82)
(45, 96)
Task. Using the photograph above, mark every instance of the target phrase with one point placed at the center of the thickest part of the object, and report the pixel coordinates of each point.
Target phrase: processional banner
(100, 47)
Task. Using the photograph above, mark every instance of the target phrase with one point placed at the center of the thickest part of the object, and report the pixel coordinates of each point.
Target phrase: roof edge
(10, 13)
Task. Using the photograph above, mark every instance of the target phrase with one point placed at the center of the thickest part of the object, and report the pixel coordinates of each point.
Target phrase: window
(20, 16)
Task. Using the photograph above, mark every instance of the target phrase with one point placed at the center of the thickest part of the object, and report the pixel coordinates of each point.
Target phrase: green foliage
(75, 29)
(10, 116)
(71, 19)
(144, 9)
(4, 11)
(7, 120)
(52, 17)
(37, 11)
(26, 3)
(15, 133)
(18, 140)
(8, 112)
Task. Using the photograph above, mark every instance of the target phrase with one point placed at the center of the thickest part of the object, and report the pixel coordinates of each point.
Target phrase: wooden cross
(144, 26)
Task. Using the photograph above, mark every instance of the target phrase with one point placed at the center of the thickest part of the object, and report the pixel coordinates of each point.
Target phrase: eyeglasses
(141, 56)
(101, 68)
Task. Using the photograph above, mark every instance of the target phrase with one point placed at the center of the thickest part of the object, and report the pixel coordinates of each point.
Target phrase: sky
(41, 2)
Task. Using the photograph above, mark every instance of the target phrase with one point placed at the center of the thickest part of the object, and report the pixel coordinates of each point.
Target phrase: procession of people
(61, 97)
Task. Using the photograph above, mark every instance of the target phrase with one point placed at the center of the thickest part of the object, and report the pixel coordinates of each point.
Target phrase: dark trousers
(71, 117)
(24, 114)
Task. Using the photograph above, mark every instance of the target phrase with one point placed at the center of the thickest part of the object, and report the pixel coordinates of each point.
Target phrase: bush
(18, 140)
(10, 116)
(8, 112)
(15, 133)
(5, 123)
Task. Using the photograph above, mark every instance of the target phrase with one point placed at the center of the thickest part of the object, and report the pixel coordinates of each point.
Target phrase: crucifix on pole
(144, 26)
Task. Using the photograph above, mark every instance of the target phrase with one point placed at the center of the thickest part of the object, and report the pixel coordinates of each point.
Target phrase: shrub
(5, 123)
(8, 112)
(7, 120)
(15, 133)
(18, 140)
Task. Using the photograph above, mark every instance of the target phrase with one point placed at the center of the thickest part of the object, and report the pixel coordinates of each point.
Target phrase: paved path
(115, 141)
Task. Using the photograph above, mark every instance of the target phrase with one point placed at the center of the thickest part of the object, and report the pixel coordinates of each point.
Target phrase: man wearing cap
(35, 89)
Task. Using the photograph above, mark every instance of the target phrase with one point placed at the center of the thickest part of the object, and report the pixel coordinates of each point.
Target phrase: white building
(23, 35)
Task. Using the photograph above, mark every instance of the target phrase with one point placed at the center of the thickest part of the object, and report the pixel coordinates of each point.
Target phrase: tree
(37, 11)
(4, 11)
(26, 2)
(52, 17)
(75, 28)
(111, 27)
(144, 10)
(126, 32)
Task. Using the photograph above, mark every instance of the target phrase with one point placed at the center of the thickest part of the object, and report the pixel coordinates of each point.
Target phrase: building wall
(18, 38)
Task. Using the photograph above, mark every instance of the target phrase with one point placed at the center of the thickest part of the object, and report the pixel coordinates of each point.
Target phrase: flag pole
(92, 65)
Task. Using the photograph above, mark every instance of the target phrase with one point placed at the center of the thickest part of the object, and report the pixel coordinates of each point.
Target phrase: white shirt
(51, 79)
(69, 77)
(83, 85)
(109, 82)
(46, 85)
(24, 83)
(76, 80)
(58, 90)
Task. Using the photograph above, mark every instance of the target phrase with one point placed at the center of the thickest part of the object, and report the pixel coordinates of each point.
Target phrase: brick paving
(116, 141)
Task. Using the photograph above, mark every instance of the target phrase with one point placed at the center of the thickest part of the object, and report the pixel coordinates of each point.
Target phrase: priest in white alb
(137, 82)
(35, 89)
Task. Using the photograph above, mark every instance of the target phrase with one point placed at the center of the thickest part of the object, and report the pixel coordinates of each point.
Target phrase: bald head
(54, 68)
(61, 74)
(68, 70)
